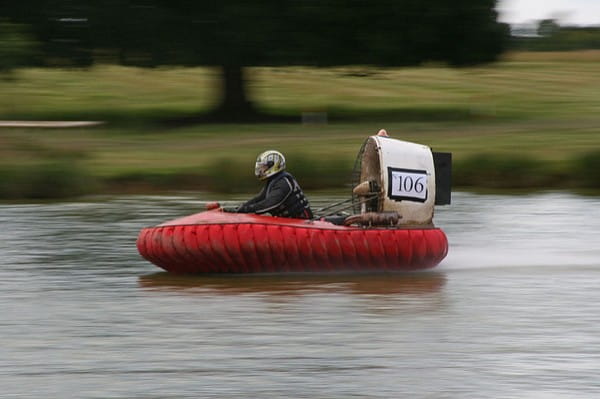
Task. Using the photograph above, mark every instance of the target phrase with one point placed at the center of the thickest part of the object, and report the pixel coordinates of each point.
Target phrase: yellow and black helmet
(268, 163)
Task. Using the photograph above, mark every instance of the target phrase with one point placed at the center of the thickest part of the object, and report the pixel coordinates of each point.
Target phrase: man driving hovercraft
(282, 195)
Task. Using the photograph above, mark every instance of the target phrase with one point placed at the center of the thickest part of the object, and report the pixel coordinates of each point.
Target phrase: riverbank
(530, 121)
(64, 163)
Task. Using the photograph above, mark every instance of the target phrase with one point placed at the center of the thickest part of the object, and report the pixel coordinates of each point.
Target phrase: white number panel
(407, 184)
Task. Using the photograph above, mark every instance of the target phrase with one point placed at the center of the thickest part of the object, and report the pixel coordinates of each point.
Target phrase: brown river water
(512, 312)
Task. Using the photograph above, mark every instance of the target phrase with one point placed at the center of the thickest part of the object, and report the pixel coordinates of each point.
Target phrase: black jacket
(281, 196)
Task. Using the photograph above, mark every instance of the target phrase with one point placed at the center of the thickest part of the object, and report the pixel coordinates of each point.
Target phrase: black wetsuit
(281, 196)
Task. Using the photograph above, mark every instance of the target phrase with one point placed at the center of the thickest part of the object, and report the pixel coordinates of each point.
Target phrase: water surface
(512, 312)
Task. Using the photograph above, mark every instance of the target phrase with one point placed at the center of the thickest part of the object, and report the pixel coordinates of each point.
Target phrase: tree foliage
(16, 47)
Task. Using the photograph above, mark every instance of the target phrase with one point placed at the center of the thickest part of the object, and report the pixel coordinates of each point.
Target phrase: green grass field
(540, 107)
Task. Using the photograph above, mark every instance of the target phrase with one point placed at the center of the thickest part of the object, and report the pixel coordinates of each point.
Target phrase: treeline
(550, 36)
(231, 35)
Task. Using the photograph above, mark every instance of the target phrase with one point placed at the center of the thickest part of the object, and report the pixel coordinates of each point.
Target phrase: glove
(211, 205)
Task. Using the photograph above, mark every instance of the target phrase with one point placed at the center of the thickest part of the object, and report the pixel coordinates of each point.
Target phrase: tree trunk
(234, 105)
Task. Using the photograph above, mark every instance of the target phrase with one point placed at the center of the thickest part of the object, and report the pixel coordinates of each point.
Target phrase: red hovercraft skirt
(220, 242)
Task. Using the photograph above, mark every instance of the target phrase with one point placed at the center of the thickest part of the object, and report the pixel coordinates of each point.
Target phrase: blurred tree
(16, 47)
(548, 27)
(234, 34)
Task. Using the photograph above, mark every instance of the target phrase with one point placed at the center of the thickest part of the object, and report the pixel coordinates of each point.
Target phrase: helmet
(268, 163)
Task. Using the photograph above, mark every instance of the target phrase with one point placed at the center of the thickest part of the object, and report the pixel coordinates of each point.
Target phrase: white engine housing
(405, 175)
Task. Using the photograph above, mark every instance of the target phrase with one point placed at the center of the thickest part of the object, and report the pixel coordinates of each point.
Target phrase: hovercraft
(397, 184)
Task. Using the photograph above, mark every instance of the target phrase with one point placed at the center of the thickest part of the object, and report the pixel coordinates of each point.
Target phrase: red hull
(218, 242)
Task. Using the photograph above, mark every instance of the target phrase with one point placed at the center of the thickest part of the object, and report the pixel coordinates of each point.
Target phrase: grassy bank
(532, 120)
(47, 164)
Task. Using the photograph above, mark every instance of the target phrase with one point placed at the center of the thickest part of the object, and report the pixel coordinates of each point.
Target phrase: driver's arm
(278, 193)
(261, 196)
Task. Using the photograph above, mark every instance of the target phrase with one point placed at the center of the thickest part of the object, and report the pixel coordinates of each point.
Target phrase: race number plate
(407, 184)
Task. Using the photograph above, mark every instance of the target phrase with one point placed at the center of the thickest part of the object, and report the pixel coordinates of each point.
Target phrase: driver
(281, 196)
